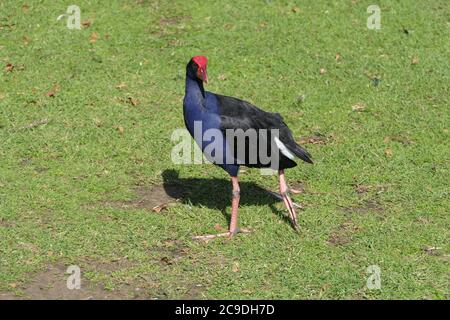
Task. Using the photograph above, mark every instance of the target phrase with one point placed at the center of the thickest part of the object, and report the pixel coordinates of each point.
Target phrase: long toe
(212, 236)
(222, 235)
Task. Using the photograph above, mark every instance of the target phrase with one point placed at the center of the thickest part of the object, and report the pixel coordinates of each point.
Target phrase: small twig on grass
(33, 124)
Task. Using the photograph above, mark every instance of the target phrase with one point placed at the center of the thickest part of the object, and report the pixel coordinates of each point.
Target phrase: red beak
(202, 74)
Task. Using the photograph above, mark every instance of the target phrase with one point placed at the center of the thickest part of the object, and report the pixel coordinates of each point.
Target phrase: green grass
(55, 177)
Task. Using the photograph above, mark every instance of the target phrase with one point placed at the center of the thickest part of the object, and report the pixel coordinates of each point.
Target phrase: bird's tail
(301, 153)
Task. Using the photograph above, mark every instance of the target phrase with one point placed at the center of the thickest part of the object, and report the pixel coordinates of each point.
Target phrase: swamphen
(222, 113)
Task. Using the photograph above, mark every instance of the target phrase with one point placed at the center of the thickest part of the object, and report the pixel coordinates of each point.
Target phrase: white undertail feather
(284, 150)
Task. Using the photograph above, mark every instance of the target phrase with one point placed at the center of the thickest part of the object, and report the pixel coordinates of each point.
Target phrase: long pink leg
(234, 205)
(287, 200)
(234, 215)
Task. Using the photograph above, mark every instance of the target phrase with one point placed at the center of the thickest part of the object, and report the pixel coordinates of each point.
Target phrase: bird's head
(196, 68)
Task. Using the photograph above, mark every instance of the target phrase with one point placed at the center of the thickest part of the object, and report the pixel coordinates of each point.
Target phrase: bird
(224, 114)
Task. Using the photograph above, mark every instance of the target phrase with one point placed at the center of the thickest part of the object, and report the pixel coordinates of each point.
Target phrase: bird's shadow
(215, 193)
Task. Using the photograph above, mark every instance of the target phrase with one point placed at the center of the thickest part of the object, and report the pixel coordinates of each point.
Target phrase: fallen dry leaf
(295, 9)
(263, 24)
(169, 243)
(159, 208)
(221, 77)
(359, 107)
(13, 285)
(361, 188)
(26, 40)
(86, 23)
(51, 93)
(235, 267)
(121, 85)
(9, 67)
(94, 37)
(120, 129)
(414, 60)
(322, 71)
(135, 102)
(166, 260)
(388, 152)
(338, 57)
(25, 8)
(97, 122)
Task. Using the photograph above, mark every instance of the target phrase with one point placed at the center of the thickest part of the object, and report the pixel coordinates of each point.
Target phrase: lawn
(86, 118)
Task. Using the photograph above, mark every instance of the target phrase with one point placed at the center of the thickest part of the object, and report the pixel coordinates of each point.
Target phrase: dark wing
(239, 114)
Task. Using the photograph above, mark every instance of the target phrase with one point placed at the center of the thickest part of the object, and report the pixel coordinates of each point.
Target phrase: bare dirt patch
(51, 284)
(154, 199)
(174, 20)
(365, 207)
(361, 189)
(316, 139)
(5, 223)
(169, 252)
(107, 266)
(343, 234)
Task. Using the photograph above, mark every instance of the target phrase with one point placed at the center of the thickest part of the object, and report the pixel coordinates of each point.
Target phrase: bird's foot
(279, 197)
(228, 234)
(295, 226)
(295, 191)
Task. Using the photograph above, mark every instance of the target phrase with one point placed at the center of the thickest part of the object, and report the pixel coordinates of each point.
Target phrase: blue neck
(194, 89)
